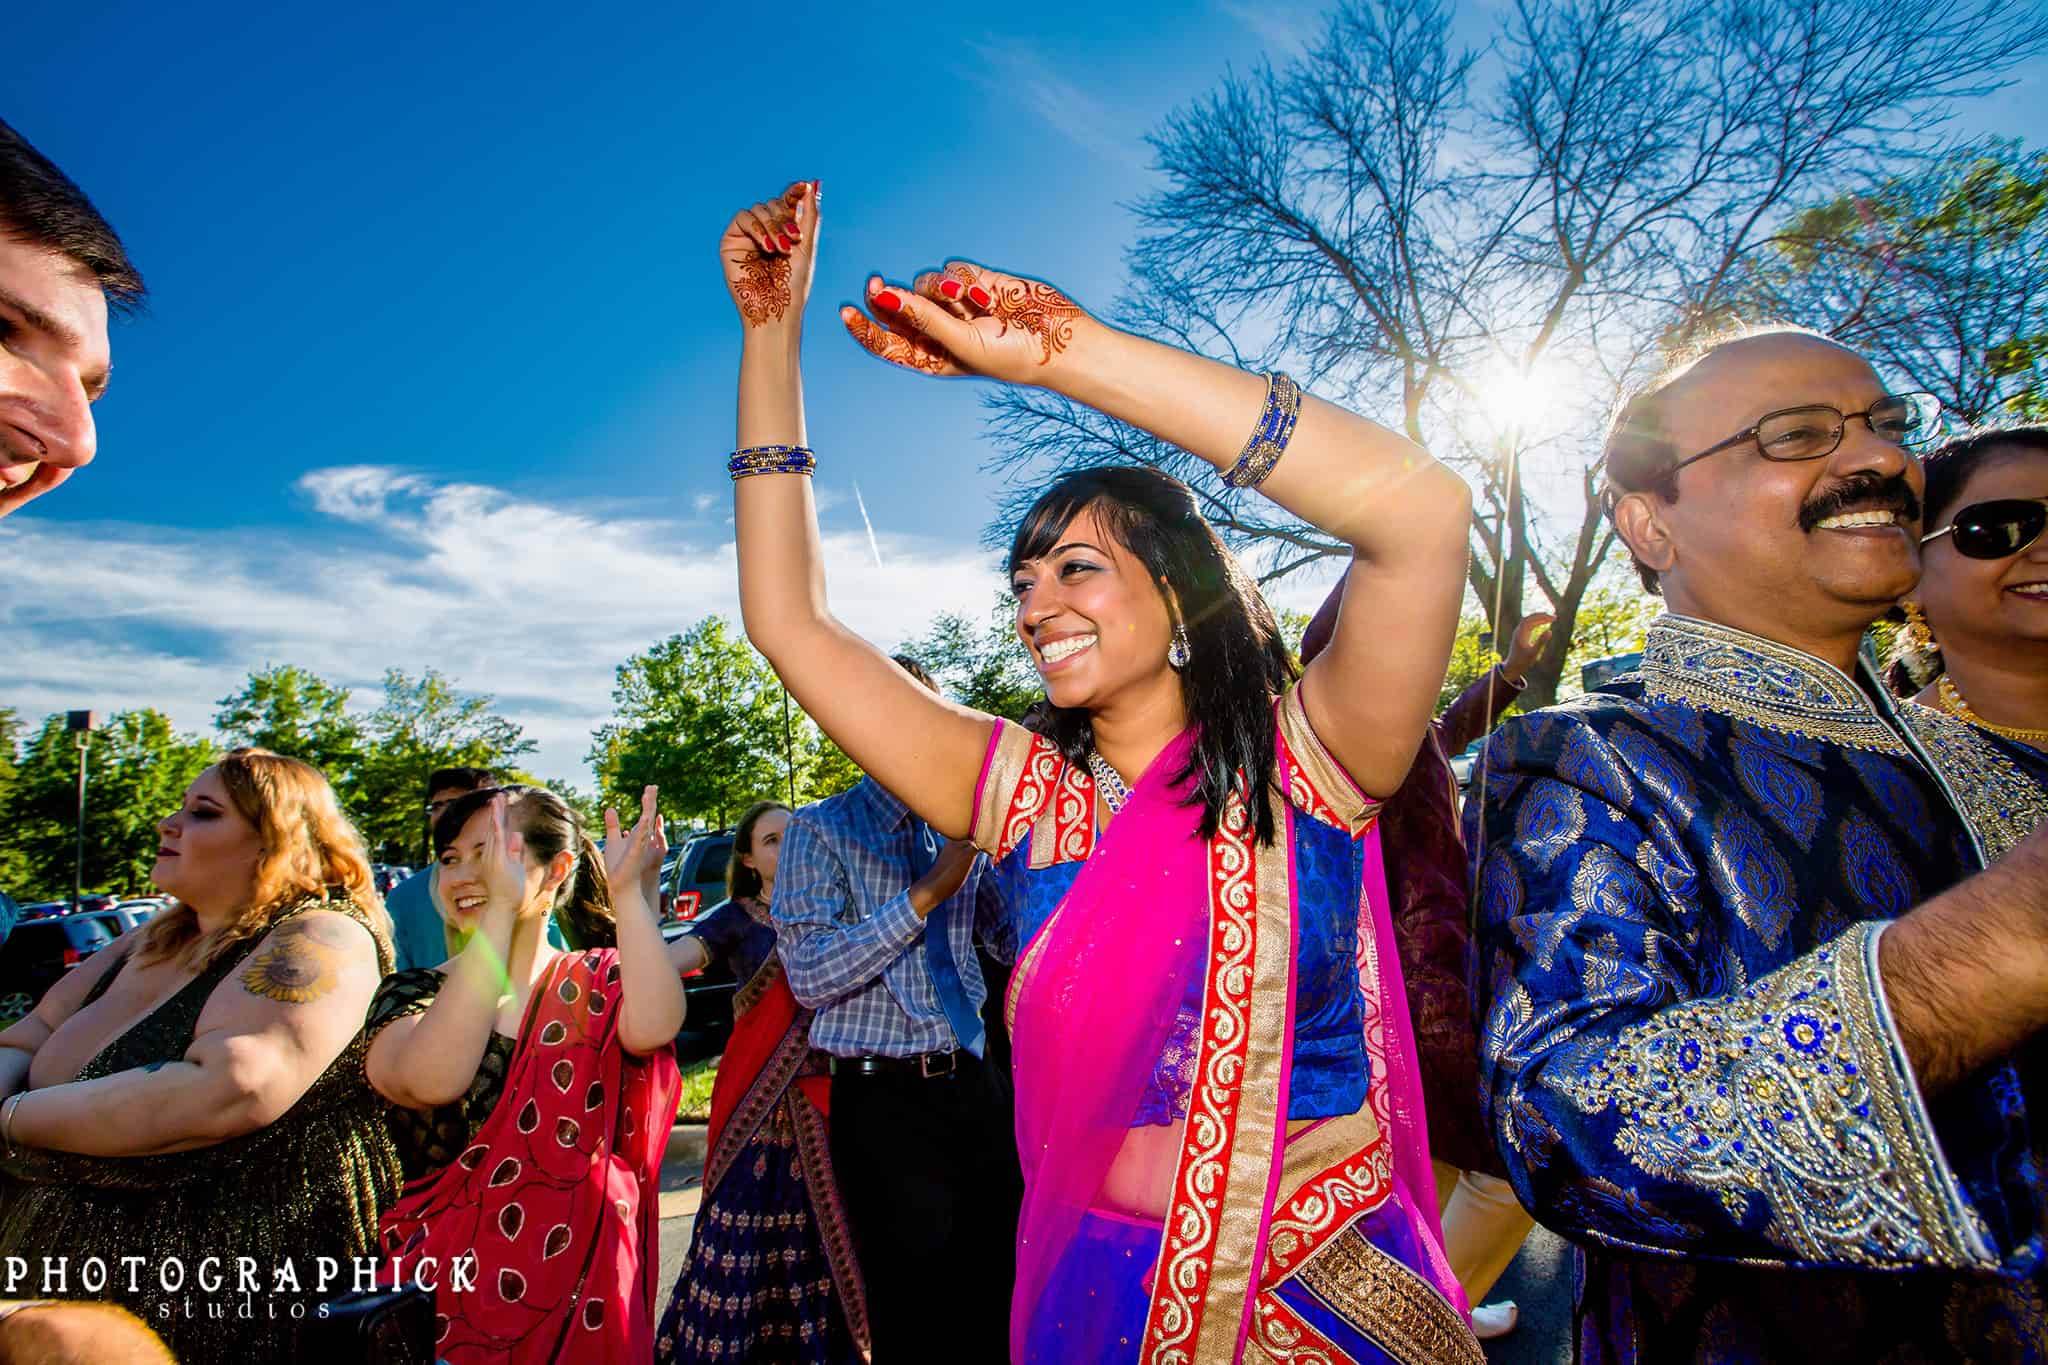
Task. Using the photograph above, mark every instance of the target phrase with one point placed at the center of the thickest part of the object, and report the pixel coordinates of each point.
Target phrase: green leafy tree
(1936, 275)
(981, 664)
(137, 769)
(700, 716)
(289, 710)
(13, 870)
(424, 723)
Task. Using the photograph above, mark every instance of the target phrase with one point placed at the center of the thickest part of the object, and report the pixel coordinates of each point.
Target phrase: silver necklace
(1108, 782)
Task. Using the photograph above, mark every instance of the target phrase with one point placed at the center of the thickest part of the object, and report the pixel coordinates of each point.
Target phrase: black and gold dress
(307, 1187)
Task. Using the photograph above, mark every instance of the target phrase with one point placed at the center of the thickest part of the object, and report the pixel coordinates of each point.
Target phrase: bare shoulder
(307, 958)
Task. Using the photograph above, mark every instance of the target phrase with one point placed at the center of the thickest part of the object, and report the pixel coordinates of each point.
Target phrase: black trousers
(928, 1169)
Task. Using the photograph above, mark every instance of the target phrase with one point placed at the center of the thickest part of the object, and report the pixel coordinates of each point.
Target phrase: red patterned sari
(555, 1198)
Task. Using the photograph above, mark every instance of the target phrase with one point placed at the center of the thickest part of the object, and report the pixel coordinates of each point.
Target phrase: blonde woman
(196, 1091)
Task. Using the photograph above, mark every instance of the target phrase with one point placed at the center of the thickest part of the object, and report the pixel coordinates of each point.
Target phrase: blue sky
(438, 366)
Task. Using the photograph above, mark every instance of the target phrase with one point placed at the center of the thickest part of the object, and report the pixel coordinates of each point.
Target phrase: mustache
(1861, 492)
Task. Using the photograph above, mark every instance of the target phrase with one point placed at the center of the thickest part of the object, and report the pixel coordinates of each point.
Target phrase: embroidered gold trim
(1316, 781)
(1202, 1286)
(1389, 1303)
(1999, 800)
(1793, 1094)
(1333, 1175)
(1016, 781)
(1746, 677)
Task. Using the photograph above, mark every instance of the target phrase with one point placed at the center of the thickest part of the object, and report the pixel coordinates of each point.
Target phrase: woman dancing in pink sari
(1208, 1176)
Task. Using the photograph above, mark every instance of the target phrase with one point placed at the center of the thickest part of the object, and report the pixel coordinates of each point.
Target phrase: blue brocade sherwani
(1687, 1057)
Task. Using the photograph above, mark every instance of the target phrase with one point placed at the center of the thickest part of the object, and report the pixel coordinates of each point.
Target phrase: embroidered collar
(1747, 677)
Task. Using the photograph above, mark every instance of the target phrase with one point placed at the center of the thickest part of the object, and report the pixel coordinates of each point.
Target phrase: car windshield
(92, 930)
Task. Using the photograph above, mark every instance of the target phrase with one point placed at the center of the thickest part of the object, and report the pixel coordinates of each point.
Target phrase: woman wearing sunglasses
(1976, 638)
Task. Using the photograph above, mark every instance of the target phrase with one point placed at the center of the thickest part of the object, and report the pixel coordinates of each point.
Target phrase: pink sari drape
(1396, 1087)
(1095, 998)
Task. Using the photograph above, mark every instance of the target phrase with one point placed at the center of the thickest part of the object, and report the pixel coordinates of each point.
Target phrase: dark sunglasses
(1995, 529)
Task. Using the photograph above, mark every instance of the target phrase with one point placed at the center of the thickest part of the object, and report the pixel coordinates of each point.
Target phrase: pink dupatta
(1093, 1006)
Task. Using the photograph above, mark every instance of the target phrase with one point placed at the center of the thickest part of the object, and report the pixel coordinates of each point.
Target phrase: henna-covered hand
(632, 858)
(968, 320)
(768, 253)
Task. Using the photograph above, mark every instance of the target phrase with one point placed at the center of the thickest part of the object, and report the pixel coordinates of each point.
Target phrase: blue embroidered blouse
(1681, 881)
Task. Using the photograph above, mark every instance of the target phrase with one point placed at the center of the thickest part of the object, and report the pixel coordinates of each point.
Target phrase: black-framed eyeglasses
(1995, 529)
(1814, 431)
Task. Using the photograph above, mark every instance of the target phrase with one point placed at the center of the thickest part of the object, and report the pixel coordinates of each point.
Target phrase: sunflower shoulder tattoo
(301, 962)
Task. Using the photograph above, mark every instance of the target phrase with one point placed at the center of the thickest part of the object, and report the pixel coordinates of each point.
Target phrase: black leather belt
(929, 1066)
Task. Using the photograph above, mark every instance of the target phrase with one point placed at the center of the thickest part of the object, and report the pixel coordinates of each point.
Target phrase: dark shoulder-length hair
(583, 902)
(1949, 467)
(1238, 664)
(741, 881)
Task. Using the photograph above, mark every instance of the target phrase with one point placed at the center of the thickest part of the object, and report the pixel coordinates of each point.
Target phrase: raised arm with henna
(1966, 973)
(917, 745)
(1374, 689)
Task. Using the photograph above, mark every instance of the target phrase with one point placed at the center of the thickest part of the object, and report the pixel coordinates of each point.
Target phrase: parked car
(142, 907)
(10, 913)
(41, 950)
(386, 876)
(696, 881)
(707, 1005)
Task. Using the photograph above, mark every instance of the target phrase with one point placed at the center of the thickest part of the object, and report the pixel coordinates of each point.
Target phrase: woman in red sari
(771, 1275)
(533, 1090)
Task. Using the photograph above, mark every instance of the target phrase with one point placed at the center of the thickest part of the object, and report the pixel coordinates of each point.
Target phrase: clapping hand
(965, 320)
(632, 859)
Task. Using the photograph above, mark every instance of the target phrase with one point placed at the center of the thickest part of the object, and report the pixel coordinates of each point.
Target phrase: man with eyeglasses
(1763, 955)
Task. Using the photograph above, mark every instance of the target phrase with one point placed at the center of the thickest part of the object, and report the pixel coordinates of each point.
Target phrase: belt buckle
(924, 1064)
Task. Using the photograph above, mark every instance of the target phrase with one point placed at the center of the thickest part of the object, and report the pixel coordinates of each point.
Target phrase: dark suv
(39, 951)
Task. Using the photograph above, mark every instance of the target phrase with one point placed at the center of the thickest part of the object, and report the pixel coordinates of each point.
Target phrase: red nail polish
(951, 289)
(796, 230)
(887, 300)
(980, 296)
(784, 239)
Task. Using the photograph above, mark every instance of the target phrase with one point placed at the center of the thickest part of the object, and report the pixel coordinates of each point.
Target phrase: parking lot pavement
(1540, 1280)
(682, 1177)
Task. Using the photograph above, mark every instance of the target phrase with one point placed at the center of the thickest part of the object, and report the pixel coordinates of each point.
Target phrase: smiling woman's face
(207, 849)
(1984, 606)
(1095, 622)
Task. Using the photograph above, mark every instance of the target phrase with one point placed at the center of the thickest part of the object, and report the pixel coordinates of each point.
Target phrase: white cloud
(535, 604)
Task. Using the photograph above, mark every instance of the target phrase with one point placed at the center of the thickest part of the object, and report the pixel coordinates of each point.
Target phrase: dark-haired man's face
(53, 365)
(1798, 552)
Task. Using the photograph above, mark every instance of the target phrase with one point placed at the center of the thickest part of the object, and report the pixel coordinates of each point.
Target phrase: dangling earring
(1919, 635)
(1178, 653)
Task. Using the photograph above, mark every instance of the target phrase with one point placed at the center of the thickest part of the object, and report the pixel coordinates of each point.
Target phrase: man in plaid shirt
(876, 919)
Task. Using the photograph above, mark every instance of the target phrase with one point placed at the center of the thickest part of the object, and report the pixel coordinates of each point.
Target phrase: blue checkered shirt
(852, 946)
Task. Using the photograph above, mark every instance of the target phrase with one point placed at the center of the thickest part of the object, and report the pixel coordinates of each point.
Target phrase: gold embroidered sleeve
(1316, 782)
(1791, 1097)
(1019, 778)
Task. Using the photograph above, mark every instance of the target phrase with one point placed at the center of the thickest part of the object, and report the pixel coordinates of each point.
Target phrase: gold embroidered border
(1017, 779)
(1389, 1303)
(1316, 781)
(1201, 1290)
(1746, 677)
(1335, 1174)
(1064, 831)
(1280, 1335)
(2001, 803)
(1793, 1093)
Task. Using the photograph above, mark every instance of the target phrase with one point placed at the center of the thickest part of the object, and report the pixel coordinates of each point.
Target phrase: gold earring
(1919, 635)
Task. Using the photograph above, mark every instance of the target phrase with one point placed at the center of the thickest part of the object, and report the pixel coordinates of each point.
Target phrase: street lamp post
(82, 724)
